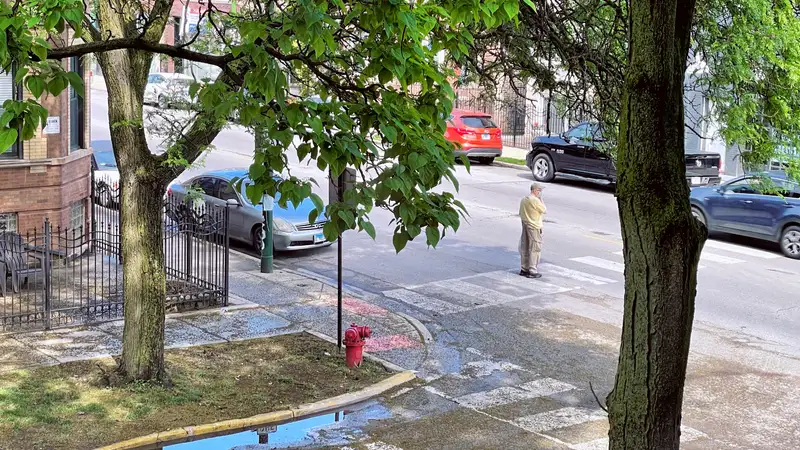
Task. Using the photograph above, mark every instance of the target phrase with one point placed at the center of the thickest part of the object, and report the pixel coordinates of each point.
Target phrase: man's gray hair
(536, 187)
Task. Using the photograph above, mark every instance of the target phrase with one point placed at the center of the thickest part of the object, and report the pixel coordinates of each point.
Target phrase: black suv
(575, 153)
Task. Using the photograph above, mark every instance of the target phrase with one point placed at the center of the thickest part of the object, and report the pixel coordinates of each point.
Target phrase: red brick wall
(36, 192)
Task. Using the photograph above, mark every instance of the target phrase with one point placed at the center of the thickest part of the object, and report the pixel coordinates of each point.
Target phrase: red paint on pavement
(356, 306)
(363, 308)
(391, 342)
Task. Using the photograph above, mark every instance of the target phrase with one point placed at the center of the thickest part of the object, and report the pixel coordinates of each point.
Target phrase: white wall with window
(8, 92)
(77, 217)
(8, 222)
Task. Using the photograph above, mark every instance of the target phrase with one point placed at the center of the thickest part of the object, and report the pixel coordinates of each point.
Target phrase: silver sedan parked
(291, 229)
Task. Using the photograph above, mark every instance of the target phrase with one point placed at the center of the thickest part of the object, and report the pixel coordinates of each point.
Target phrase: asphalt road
(512, 358)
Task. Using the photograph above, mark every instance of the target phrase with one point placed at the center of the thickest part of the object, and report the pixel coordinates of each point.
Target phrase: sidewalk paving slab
(261, 305)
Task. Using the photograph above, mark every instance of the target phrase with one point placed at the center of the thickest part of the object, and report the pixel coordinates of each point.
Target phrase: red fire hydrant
(354, 344)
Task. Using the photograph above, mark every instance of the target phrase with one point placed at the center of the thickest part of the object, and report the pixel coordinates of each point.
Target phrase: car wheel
(790, 242)
(699, 216)
(542, 168)
(486, 161)
(255, 238)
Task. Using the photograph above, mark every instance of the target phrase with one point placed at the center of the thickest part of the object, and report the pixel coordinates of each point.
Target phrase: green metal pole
(266, 251)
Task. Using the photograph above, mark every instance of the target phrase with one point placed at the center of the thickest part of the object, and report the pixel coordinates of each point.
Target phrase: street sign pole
(339, 194)
(266, 235)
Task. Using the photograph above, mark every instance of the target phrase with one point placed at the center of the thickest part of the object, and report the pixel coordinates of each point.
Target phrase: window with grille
(77, 215)
(8, 222)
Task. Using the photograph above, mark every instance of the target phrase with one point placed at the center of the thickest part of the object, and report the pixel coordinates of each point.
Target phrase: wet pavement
(513, 370)
(260, 305)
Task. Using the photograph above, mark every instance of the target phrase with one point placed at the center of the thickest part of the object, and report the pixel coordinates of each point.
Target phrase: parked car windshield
(105, 161)
(478, 122)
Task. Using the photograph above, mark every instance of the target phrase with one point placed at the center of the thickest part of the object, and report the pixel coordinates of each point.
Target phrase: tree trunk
(662, 241)
(143, 181)
(144, 277)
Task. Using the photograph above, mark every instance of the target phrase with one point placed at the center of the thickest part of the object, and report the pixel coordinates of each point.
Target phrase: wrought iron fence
(55, 276)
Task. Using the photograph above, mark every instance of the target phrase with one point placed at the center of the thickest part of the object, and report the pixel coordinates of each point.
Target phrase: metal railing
(55, 276)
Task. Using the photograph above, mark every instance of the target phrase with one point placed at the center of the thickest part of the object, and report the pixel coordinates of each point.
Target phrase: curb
(274, 418)
(424, 334)
(509, 165)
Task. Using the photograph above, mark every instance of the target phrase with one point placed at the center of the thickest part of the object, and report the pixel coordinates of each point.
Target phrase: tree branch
(139, 44)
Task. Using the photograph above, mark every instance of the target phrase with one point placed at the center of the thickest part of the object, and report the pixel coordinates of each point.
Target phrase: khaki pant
(530, 248)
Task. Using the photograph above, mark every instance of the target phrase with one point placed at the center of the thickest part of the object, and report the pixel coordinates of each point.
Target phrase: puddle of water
(336, 428)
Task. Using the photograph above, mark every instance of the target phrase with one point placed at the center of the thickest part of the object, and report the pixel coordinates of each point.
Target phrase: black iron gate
(55, 276)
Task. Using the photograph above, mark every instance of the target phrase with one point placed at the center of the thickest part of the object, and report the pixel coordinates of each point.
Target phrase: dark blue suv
(765, 206)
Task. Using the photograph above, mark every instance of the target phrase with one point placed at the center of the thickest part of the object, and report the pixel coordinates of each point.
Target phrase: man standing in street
(531, 211)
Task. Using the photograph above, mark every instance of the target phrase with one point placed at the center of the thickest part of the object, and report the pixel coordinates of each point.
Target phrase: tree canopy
(743, 57)
(374, 64)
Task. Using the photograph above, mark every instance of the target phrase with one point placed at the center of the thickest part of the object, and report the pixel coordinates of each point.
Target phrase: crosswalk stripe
(687, 435)
(741, 250)
(486, 295)
(548, 269)
(546, 386)
(381, 446)
(700, 266)
(705, 256)
(496, 397)
(558, 418)
(423, 301)
(508, 394)
(531, 285)
(601, 263)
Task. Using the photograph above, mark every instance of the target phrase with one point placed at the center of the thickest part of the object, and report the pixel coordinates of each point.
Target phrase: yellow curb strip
(273, 418)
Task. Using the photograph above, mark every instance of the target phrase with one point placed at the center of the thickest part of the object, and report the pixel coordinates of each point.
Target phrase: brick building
(48, 176)
(185, 18)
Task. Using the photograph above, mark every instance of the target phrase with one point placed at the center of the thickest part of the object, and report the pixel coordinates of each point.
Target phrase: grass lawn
(520, 162)
(77, 406)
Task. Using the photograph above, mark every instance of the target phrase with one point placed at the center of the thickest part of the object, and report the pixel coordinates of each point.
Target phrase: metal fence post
(47, 274)
(226, 261)
(188, 245)
(92, 220)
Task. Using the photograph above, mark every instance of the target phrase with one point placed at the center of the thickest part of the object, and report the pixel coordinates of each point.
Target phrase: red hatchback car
(475, 134)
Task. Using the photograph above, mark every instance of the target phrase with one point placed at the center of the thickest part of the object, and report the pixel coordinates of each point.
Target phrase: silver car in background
(291, 229)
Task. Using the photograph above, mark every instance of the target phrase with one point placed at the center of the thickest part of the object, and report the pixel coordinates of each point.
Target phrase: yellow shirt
(532, 211)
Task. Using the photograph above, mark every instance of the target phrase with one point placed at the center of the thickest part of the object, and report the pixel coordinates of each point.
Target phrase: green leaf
(7, 138)
(347, 217)
(318, 203)
(432, 233)
(369, 228)
(36, 85)
(40, 52)
(76, 82)
(312, 216)
(512, 8)
(389, 131)
(21, 73)
(399, 240)
(57, 85)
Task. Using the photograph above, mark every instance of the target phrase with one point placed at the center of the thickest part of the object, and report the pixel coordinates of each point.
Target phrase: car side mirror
(721, 190)
(233, 202)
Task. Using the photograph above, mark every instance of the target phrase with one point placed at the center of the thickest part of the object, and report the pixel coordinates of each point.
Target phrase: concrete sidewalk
(261, 305)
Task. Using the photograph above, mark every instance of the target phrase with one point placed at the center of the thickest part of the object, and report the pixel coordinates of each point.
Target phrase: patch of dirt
(79, 406)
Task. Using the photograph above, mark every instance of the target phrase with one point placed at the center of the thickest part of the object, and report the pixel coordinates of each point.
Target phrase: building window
(77, 217)
(8, 222)
(9, 91)
(76, 109)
